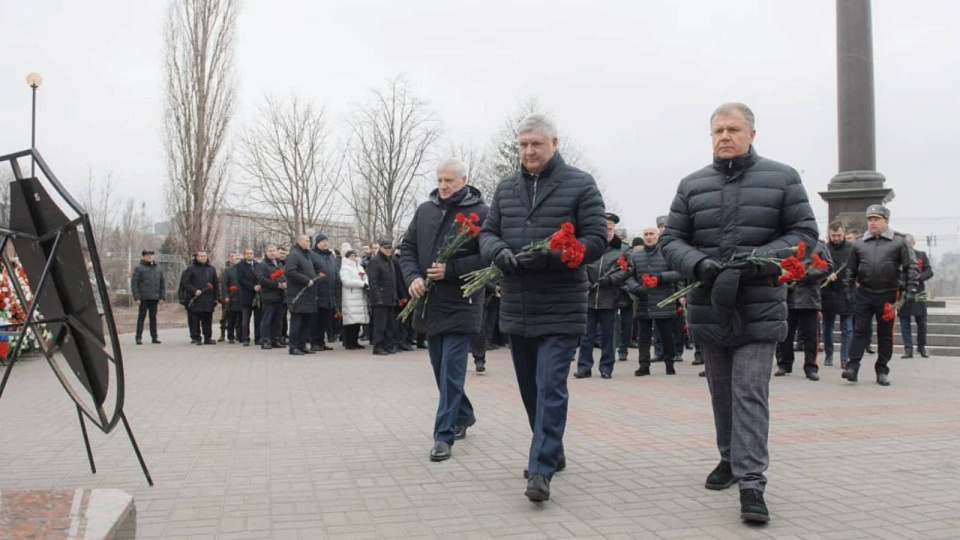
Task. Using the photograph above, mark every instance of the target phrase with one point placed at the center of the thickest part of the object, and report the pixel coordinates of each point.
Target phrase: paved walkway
(251, 444)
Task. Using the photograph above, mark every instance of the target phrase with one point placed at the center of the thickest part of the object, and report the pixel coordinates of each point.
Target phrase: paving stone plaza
(244, 443)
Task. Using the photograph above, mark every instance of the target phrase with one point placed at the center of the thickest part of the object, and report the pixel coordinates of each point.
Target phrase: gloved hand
(707, 270)
(535, 261)
(604, 281)
(752, 269)
(506, 262)
(638, 291)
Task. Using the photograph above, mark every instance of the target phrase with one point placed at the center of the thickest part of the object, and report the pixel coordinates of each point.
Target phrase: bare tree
(200, 96)
(392, 135)
(479, 170)
(99, 200)
(289, 167)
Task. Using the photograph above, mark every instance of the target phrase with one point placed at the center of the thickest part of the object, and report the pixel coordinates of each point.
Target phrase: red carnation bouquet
(650, 282)
(621, 266)
(276, 274)
(233, 288)
(565, 241)
(209, 287)
(468, 229)
(919, 265)
(792, 268)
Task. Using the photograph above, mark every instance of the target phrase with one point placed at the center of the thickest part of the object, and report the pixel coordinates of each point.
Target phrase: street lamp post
(34, 80)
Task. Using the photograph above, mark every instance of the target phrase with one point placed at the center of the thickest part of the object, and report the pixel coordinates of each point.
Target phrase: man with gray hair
(543, 300)
(740, 204)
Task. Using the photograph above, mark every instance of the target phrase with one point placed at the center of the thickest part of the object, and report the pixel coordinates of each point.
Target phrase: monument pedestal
(850, 193)
(79, 514)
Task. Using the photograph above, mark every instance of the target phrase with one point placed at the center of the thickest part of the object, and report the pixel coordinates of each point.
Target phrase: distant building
(162, 228)
(241, 230)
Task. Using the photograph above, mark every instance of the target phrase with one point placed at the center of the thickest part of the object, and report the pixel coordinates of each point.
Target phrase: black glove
(637, 291)
(506, 262)
(535, 261)
(707, 270)
(604, 281)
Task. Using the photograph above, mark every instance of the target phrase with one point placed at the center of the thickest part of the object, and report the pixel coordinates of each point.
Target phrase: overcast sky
(632, 82)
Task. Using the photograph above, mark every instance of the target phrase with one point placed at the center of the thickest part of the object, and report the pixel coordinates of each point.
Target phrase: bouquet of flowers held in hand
(792, 268)
(320, 276)
(890, 311)
(468, 229)
(621, 266)
(209, 287)
(564, 241)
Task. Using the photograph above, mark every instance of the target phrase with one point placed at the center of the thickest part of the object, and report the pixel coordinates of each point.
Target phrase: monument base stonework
(78, 514)
(850, 193)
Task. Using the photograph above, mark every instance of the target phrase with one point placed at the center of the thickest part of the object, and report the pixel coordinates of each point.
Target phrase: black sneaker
(752, 507)
(538, 488)
(721, 477)
(697, 362)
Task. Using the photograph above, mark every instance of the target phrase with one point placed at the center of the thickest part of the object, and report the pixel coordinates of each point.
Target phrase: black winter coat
(651, 261)
(328, 287)
(433, 226)
(270, 290)
(247, 280)
(736, 206)
(553, 301)
(195, 278)
(147, 282)
(805, 293)
(883, 263)
(605, 295)
(299, 271)
(837, 298)
(383, 278)
(228, 278)
(913, 308)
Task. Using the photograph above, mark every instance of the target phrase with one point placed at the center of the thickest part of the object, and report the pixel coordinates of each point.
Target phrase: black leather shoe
(907, 354)
(882, 379)
(538, 488)
(813, 376)
(703, 373)
(642, 371)
(421, 345)
(324, 348)
(440, 451)
(198, 343)
(781, 373)
(561, 465)
(379, 352)
(246, 343)
(670, 369)
(460, 432)
(155, 341)
(297, 352)
(139, 341)
(622, 358)
(308, 351)
(721, 477)
(209, 342)
(923, 352)
(481, 365)
(871, 350)
(582, 374)
(266, 346)
(849, 374)
(405, 347)
(606, 376)
(828, 361)
(752, 507)
(697, 362)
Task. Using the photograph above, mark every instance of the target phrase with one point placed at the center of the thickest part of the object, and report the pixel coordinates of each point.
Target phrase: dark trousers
(606, 320)
(906, 332)
(351, 336)
(665, 327)
(491, 314)
(322, 324)
(624, 330)
(448, 356)
(300, 330)
(404, 331)
(542, 365)
(200, 321)
(270, 322)
(806, 319)
(283, 320)
(478, 342)
(869, 306)
(846, 335)
(150, 307)
(233, 324)
(248, 313)
(384, 325)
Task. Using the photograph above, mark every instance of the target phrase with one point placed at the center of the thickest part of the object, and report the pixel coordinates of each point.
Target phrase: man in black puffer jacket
(301, 295)
(602, 306)
(836, 299)
(543, 301)
(448, 319)
(649, 261)
(880, 263)
(327, 288)
(739, 204)
(803, 308)
(199, 283)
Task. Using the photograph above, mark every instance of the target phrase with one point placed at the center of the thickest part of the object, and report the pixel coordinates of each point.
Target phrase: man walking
(270, 277)
(148, 293)
(652, 281)
(837, 298)
(803, 308)
(301, 295)
(916, 308)
(200, 284)
(383, 300)
(543, 300)
(448, 319)
(879, 263)
(740, 204)
(602, 306)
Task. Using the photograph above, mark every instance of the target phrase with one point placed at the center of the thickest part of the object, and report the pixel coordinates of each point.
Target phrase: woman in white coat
(354, 306)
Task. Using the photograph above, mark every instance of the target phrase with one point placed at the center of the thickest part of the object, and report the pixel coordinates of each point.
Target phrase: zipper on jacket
(534, 201)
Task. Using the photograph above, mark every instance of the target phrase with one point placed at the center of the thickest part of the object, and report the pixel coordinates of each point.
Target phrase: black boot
(670, 370)
(721, 477)
(538, 488)
(752, 507)
(643, 371)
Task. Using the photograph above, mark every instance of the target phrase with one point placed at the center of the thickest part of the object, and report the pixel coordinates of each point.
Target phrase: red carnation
(801, 250)
(568, 228)
(233, 288)
(622, 262)
(794, 269)
(460, 218)
(679, 309)
(573, 255)
(321, 275)
(919, 265)
(474, 217)
(402, 302)
(888, 313)
(819, 263)
(338, 315)
(649, 282)
(210, 285)
(277, 274)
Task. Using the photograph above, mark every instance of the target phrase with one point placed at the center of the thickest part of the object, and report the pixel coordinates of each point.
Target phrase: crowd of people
(725, 241)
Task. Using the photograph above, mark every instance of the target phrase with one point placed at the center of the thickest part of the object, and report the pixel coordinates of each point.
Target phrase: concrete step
(939, 340)
(942, 318)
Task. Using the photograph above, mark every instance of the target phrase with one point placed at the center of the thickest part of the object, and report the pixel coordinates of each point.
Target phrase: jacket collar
(472, 197)
(554, 162)
(736, 164)
(887, 234)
